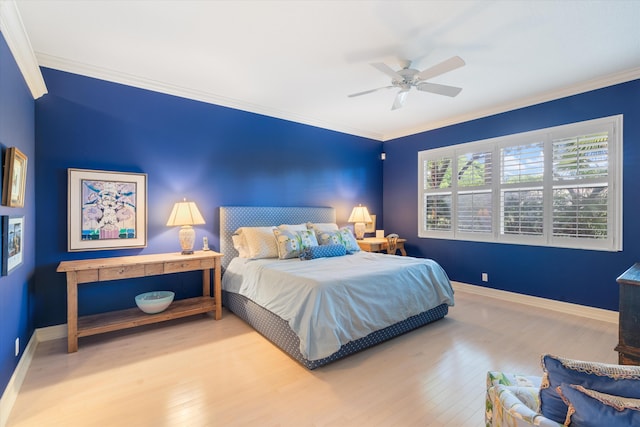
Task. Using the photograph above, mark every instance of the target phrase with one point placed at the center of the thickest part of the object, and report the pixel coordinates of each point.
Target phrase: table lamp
(359, 215)
(185, 214)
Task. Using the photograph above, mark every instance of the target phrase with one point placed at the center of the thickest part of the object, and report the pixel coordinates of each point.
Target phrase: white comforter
(331, 301)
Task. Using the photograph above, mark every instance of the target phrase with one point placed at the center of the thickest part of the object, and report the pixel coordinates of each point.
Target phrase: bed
(326, 308)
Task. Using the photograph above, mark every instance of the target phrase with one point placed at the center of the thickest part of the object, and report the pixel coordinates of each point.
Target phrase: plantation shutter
(580, 186)
(521, 195)
(436, 202)
(475, 205)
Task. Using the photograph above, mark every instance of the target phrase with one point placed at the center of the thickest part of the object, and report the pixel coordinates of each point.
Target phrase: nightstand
(379, 244)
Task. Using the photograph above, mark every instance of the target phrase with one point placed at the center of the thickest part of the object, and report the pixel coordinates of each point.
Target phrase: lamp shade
(185, 213)
(360, 214)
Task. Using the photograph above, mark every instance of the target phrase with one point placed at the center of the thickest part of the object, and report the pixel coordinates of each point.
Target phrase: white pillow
(260, 242)
(240, 245)
(322, 227)
(292, 227)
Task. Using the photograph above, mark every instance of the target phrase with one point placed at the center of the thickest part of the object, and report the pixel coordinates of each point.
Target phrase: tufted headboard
(233, 217)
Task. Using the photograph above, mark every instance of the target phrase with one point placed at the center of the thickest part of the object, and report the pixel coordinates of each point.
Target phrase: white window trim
(614, 124)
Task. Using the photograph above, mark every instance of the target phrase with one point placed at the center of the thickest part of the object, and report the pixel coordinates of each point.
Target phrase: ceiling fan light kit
(408, 78)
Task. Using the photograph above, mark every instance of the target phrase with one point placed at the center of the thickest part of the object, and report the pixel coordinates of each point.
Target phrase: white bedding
(331, 301)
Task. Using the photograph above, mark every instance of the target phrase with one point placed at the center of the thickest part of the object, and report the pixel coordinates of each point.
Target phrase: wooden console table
(127, 267)
(379, 244)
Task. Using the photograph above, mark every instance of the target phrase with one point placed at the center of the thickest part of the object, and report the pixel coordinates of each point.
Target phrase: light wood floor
(199, 372)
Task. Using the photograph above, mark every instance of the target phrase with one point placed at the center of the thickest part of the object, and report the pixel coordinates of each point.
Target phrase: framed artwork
(15, 178)
(12, 238)
(106, 210)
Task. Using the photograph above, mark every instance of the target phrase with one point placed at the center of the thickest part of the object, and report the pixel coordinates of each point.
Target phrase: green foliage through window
(549, 187)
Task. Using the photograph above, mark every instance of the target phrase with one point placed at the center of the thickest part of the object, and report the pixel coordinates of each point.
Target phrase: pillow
(293, 227)
(325, 251)
(618, 380)
(292, 243)
(343, 236)
(319, 227)
(590, 408)
(259, 242)
(240, 245)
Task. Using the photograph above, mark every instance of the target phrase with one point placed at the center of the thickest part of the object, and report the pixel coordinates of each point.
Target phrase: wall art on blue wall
(106, 210)
(12, 238)
(15, 178)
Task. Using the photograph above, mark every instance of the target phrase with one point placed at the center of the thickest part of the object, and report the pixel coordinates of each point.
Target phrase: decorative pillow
(343, 236)
(292, 227)
(618, 380)
(590, 408)
(259, 241)
(325, 251)
(292, 243)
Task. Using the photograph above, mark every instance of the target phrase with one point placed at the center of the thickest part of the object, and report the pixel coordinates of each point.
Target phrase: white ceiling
(298, 60)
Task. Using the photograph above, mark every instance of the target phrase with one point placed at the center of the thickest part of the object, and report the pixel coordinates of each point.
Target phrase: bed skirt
(277, 330)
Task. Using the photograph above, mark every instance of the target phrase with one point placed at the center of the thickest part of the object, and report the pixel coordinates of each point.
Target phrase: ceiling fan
(408, 77)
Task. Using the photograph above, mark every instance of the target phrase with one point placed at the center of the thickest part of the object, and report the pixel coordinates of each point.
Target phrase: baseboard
(51, 332)
(13, 387)
(563, 307)
(15, 382)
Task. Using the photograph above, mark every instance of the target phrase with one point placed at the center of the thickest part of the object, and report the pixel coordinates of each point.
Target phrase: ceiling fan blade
(387, 70)
(439, 89)
(400, 98)
(368, 91)
(441, 68)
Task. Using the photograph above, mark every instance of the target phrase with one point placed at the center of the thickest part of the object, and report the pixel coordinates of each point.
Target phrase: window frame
(612, 242)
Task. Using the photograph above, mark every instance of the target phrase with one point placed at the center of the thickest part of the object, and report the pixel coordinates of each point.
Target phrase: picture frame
(106, 210)
(12, 243)
(15, 178)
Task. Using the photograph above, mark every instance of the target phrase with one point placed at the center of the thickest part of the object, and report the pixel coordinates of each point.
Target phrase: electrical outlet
(17, 346)
(485, 277)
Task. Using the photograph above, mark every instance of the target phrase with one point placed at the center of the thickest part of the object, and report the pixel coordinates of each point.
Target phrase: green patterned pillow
(343, 236)
(292, 243)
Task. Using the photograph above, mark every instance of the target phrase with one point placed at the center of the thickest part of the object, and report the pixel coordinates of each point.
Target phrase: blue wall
(17, 130)
(212, 155)
(577, 276)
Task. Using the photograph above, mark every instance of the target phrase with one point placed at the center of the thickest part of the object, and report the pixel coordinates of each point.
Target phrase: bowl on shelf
(154, 302)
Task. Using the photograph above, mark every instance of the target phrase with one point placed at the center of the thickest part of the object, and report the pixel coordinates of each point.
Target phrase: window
(559, 186)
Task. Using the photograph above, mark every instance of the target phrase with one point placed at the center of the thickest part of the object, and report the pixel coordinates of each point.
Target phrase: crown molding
(101, 73)
(14, 33)
(598, 83)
